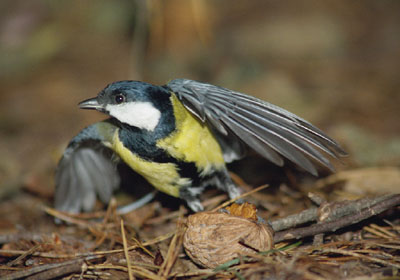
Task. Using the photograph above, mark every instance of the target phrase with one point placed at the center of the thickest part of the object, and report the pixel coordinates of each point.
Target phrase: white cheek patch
(142, 115)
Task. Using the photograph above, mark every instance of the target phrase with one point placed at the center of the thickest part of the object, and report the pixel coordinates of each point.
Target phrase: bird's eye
(119, 98)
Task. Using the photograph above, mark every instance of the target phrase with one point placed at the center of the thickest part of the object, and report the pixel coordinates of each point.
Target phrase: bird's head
(134, 103)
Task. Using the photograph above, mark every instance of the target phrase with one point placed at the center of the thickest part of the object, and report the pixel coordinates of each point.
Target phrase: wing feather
(86, 171)
(268, 129)
(253, 139)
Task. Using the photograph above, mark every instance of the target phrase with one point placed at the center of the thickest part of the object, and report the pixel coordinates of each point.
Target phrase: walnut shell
(213, 238)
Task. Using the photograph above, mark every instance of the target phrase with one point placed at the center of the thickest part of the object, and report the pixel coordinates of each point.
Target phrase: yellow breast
(163, 176)
(192, 141)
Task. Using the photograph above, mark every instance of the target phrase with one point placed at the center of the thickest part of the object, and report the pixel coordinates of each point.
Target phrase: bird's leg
(190, 195)
(226, 184)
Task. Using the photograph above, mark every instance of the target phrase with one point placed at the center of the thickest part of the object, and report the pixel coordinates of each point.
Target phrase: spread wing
(86, 170)
(269, 130)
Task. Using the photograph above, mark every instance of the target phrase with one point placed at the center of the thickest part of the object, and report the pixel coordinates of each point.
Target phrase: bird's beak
(91, 103)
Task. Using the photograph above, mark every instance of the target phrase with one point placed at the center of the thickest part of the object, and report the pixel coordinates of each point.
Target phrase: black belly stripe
(143, 144)
(188, 170)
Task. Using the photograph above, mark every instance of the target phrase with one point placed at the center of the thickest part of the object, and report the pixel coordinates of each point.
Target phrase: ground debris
(100, 246)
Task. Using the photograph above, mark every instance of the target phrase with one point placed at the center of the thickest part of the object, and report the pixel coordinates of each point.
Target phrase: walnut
(213, 238)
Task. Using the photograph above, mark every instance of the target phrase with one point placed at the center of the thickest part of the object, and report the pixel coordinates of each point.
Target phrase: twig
(139, 270)
(384, 231)
(173, 251)
(199, 272)
(334, 225)
(27, 253)
(239, 197)
(88, 254)
(50, 271)
(376, 232)
(327, 212)
(147, 251)
(361, 256)
(128, 262)
(8, 238)
(295, 220)
(317, 199)
(65, 217)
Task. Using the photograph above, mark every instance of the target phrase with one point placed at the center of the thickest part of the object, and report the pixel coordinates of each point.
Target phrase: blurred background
(335, 63)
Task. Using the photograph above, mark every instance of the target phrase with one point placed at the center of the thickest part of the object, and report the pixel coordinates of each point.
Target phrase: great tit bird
(179, 137)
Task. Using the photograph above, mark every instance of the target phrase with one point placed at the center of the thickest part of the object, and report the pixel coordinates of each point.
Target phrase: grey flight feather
(86, 171)
(268, 129)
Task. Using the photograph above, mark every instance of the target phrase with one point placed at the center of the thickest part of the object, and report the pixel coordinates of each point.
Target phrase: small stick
(361, 256)
(128, 262)
(336, 211)
(334, 225)
(239, 197)
(50, 271)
